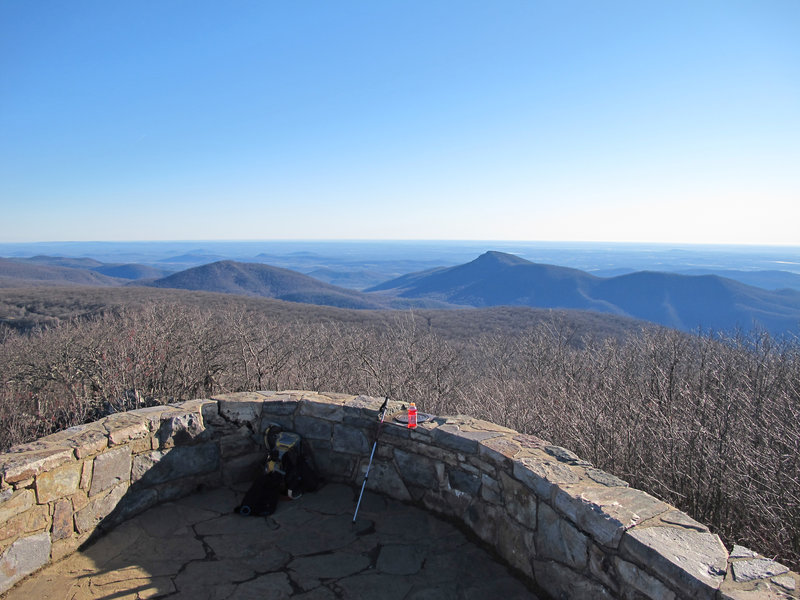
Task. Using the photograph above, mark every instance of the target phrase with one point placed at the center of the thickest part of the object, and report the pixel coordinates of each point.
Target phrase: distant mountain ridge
(14, 273)
(255, 279)
(681, 301)
(52, 264)
(684, 302)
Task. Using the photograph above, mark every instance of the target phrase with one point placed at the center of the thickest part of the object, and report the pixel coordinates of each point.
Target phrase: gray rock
(787, 582)
(463, 482)
(565, 456)
(606, 513)
(279, 405)
(238, 443)
(13, 503)
(756, 568)
(519, 502)
(241, 408)
(284, 421)
(544, 476)
(602, 568)
(19, 466)
(180, 428)
(349, 439)
(604, 478)
(565, 584)
(679, 519)
(110, 468)
(693, 561)
(100, 507)
(313, 429)
(178, 488)
(490, 490)
(273, 586)
(91, 440)
(58, 483)
(135, 502)
(324, 408)
(335, 466)
(451, 437)
(742, 552)
(62, 520)
(330, 566)
(499, 451)
(374, 585)
(22, 558)
(243, 468)
(634, 579)
(152, 468)
(400, 559)
(558, 540)
(760, 590)
(416, 469)
(125, 427)
(384, 478)
(212, 580)
(329, 533)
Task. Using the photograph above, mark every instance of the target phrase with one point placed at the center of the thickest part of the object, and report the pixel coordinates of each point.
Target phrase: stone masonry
(572, 530)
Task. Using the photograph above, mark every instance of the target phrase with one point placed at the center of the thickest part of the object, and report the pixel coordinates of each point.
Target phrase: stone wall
(573, 530)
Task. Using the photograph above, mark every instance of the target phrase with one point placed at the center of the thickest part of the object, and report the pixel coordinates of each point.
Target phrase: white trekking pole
(381, 417)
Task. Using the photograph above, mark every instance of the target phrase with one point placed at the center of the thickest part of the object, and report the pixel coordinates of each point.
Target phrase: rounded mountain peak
(500, 258)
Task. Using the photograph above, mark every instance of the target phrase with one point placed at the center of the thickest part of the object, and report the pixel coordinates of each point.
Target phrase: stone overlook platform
(568, 529)
(197, 548)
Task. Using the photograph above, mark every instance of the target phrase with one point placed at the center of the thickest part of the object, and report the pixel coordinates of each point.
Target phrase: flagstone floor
(198, 548)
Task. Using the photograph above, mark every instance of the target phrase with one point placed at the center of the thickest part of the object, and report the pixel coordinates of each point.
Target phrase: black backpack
(288, 472)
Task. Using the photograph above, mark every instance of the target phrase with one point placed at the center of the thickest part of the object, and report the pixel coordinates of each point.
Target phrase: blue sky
(514, 120)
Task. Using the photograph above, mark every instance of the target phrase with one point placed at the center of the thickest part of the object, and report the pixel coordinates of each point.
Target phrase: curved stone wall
(573, 530)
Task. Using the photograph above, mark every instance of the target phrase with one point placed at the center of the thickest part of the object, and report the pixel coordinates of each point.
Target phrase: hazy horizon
(619, 122)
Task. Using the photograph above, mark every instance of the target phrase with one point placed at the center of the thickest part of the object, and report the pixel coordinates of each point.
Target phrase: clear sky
(643, 121)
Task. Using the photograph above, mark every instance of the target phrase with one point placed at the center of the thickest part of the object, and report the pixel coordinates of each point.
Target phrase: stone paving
(198, 548)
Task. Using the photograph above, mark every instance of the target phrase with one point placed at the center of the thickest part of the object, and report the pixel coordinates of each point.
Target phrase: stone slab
(91, 440)
(62, 520)
(179, 428)
(400, 559)
(460, 438)
(100, 507)
(13, 503)
(415, 469)
(125, 427)
(499, 451)
(313, 429)
(605, 513)
(161, 466)
(520, 504)
(23, 557)
(241, 408)
(633, 579)
(556, 539)
(350, 439)
(19, 466)
(543, 476)
(756, 568)
(694, 562)
(322, 407)
(562, 582)
(58, 483)
(110, 468)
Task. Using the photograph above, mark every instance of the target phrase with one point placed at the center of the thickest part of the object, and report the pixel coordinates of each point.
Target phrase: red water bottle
(412, 416)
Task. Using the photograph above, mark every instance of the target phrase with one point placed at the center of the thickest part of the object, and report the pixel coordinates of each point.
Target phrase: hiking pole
(381, 417)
